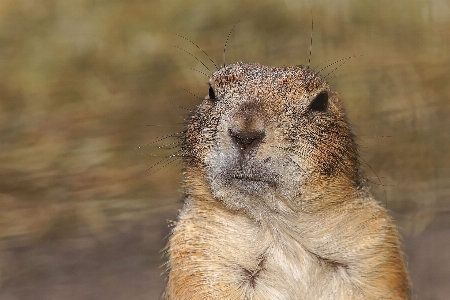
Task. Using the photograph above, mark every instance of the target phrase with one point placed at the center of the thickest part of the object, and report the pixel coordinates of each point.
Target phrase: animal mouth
(248, 180)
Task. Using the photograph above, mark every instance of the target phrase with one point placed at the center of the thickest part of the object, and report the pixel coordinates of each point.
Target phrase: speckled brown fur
(275, 206)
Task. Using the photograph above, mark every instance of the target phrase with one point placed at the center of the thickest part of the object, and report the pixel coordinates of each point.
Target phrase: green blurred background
(84, 215)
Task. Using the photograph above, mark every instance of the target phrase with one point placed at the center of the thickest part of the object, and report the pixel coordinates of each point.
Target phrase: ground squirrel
(275, 206)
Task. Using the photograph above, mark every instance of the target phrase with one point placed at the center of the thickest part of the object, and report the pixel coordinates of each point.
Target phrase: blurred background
(93, 94)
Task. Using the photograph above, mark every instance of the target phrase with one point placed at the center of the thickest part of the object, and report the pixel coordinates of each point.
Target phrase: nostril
(246, 139)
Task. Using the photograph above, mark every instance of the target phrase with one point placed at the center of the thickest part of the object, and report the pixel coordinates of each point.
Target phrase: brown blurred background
(85, 191)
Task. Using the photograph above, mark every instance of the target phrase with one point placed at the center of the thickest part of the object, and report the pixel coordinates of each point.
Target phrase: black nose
(246, 140)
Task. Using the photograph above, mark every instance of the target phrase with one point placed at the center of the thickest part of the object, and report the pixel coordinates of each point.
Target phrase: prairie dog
(275, 206)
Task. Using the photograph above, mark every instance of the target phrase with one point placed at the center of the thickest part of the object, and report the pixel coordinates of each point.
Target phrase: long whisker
(199, 98)
(164, 162)
(226, 42)
(198, 48)
(199, 72)
(193, 57)
(335, 62)
(170, 145)
(180, 106)
(311, 42)
(378, 178)
(176, 134)
(168, 162)
(159, 125)
(338, 66)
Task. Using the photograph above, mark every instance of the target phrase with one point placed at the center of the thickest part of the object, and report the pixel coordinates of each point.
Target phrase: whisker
(180, 106)
(165, 161)
(176, 134)
(159, 125)
(176, 165)
(311, 42)
(340, 65)
(339, 75)
(378, 178)
(153, 155)
(170, 145)
(199, 98)
(323, 62)
(226, 42)
(335, 62)
(199, 72)
(199, 49)
(375, 136)
(166, 164)
(376, 183)
(193, 57)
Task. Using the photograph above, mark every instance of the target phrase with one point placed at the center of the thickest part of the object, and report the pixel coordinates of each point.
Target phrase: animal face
(265, 136)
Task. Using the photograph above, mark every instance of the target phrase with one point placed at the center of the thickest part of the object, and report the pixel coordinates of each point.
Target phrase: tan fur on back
(275, 204)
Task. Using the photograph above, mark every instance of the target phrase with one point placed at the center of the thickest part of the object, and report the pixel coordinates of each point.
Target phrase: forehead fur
(256, 80)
